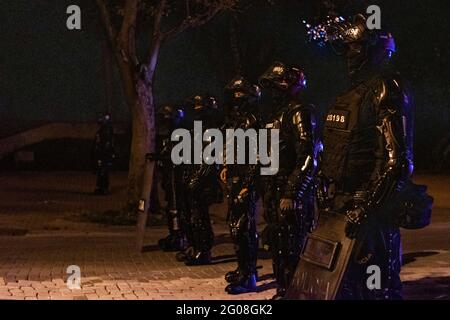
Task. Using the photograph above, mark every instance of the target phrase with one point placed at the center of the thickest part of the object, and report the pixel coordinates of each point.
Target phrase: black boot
(173, 242)
(280, 272)
(199, 258)
(183, 255)
(284, 269)
(232, 276)
(243, 279)
(281, 292)
(202, 239)
(245, 284)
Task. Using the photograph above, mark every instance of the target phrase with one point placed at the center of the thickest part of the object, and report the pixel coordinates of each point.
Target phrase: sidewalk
(41, 234)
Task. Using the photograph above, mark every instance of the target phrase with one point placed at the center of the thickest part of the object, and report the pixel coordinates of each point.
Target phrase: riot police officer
(171, 118)
(103, 153)
(368, 155)
(201, 189)
(288, 195)
(241, 180)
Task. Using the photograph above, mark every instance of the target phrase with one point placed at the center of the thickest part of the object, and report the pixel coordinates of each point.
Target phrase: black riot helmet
(202, 107)
(104, 119)
(240, 92)
(283, 80)
(359, 43)
(170, 116)
(343, 31)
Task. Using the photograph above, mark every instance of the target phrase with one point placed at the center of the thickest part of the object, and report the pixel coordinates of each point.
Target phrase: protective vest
(350, 138)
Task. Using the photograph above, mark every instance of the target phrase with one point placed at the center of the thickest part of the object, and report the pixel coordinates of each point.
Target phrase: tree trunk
(142, 163)
(138, 91)
(143, 139)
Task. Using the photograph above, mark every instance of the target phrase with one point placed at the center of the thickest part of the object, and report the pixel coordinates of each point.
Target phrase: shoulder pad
(394, 84)
(293, 107)
(302, 114)
(380, 91)
(390, 92)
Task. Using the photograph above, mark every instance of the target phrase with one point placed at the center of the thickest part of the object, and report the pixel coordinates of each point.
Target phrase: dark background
(48, 73)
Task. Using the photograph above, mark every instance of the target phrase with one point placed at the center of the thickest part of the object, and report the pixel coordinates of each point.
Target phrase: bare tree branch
(195, 21)
(126, 36)
(158, 18)
(156, 39)
(107, 23)
(129, 20)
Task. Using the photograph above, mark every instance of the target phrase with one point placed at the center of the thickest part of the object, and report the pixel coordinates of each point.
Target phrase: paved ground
(42, 233)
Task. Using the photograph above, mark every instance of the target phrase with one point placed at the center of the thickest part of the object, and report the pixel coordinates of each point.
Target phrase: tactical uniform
(201, 188)
(367, 159)
(288, 195)
(171, 180)
(103, 154)
(241, 180)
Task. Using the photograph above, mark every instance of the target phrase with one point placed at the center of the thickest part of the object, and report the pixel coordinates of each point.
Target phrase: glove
(193, 184)
(223, 175)
(354, 219)
(241, 196)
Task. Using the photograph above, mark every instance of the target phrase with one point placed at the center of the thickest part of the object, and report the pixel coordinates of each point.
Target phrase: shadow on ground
(413, 256)
(428, 288)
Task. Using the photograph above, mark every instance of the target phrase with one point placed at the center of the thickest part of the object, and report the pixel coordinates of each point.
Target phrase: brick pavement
(41, 235)
(34, 266)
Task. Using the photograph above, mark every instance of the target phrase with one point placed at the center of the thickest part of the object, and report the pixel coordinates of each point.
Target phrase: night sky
(48, 73)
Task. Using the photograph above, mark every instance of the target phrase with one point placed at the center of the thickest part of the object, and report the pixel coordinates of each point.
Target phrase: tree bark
(142, 163)
(143, 139)
(138, 91)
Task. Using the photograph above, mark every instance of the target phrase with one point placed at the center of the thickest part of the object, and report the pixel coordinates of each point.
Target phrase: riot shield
(323, 261)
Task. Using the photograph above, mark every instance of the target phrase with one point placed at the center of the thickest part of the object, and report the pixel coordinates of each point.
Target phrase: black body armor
(200, 188)
(368, 159)
(242, 195)
(172, 182)
(288, 196)
(298, 147)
